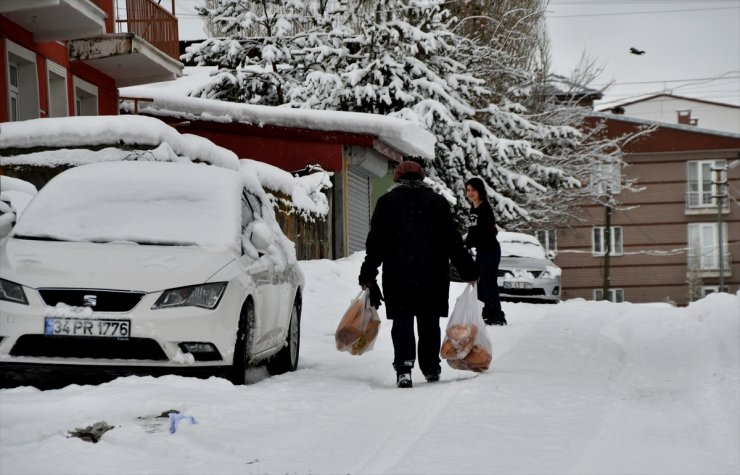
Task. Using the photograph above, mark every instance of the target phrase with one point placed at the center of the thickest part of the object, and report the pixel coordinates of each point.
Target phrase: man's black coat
(414, 236)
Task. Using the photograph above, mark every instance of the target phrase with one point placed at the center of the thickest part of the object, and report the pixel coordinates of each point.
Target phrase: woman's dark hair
(478, 186)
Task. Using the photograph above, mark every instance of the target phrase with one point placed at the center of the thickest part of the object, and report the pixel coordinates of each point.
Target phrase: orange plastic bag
(359, 327)
(466, 345)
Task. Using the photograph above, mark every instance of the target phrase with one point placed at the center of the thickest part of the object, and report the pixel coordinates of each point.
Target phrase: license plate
(517, 285)
(106, 328)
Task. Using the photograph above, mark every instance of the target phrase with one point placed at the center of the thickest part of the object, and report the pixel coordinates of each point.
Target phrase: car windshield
(148, 203)
(520, 245)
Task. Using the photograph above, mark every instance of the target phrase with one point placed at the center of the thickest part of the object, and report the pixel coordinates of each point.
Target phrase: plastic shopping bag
(466, 345)
(358, 328)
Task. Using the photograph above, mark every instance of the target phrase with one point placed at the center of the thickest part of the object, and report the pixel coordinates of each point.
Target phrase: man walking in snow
(414, 236)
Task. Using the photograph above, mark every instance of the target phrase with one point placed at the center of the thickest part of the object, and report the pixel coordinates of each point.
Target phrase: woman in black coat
(482, 236)
(414, 236)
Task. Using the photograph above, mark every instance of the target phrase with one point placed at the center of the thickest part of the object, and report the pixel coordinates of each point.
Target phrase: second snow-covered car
(150, 267)
(526, 272)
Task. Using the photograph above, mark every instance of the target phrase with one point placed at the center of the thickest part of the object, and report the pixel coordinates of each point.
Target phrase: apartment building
(677, 239)
(69, 57)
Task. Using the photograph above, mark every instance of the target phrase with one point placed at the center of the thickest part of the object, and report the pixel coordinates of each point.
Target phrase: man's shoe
(432, 377)
(403, 380)
(499, 319)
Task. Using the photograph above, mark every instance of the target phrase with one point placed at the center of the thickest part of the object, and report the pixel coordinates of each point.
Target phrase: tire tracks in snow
(415, 418)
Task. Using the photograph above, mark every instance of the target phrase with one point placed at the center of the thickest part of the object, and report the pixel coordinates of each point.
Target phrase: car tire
(239, 365)
(287, 358)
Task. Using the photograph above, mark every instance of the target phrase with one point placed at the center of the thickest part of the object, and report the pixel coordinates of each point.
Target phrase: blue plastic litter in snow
(176, 417)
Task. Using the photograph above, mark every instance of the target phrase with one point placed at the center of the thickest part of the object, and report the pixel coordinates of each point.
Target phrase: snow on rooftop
(170, 99)
(81, 132)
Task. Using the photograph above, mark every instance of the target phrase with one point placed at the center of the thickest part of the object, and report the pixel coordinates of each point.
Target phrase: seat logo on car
(89, 300)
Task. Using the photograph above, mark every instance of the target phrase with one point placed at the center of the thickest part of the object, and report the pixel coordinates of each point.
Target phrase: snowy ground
(576, 388)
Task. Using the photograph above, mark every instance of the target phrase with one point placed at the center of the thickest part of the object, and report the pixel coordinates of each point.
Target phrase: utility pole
(608, 244)
(719, 198)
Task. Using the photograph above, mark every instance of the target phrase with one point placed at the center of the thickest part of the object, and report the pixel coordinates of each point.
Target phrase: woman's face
(472, 194)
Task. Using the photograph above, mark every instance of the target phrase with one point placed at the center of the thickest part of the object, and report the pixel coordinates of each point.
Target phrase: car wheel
(239, 364)
(287, 358)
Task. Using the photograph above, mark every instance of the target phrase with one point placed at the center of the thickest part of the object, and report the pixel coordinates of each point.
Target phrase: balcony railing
(709, 261)
(153, 23)
(703, 200)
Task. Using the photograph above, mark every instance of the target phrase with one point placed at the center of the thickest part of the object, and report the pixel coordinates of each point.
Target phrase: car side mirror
(261, 237)
(551, 254)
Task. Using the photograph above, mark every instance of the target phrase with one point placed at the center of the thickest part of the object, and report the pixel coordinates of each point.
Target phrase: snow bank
(580, 387)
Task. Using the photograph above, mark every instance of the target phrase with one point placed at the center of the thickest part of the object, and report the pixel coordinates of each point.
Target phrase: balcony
(707, 264)
(153, 23)
(126, 58)
(144, 49)
(703, 202)
(56, 20)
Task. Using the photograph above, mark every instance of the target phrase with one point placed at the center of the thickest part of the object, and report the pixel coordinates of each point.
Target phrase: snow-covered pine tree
(266, 47)
(404, 66)
(393, 57)
(510, 49)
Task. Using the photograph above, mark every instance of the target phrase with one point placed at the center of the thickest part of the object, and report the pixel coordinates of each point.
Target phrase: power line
(634, 2)
(645, 12)
(722, 76)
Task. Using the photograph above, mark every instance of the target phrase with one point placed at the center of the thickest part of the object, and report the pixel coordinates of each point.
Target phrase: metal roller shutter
(359, 208)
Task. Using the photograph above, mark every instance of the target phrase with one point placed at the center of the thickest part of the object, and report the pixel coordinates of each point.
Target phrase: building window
(548, 239)
(612, 295)
(703, 246)
(607, 179)
(599, 241)
(709, 289)
(57, 89)
(701, 183)
(23, 89)
(86, 97)
(15, 96)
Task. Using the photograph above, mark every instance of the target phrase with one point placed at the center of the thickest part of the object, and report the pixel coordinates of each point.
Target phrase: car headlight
(12, 292)
(550, 273)
(204, 296)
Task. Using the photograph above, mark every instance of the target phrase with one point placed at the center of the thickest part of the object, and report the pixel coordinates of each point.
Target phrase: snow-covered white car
(526, 272)
(148, 267)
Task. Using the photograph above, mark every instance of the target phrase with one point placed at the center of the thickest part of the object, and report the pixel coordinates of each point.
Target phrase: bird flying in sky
(634, 50)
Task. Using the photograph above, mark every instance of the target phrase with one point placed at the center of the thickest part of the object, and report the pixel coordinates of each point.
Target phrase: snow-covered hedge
(79, 140)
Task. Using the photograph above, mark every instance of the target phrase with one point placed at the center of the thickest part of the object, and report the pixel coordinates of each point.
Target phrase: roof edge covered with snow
(667, 125)
(605, 106)
(171, 99)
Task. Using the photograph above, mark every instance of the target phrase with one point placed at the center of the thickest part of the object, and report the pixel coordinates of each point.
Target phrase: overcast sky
(692, 47)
